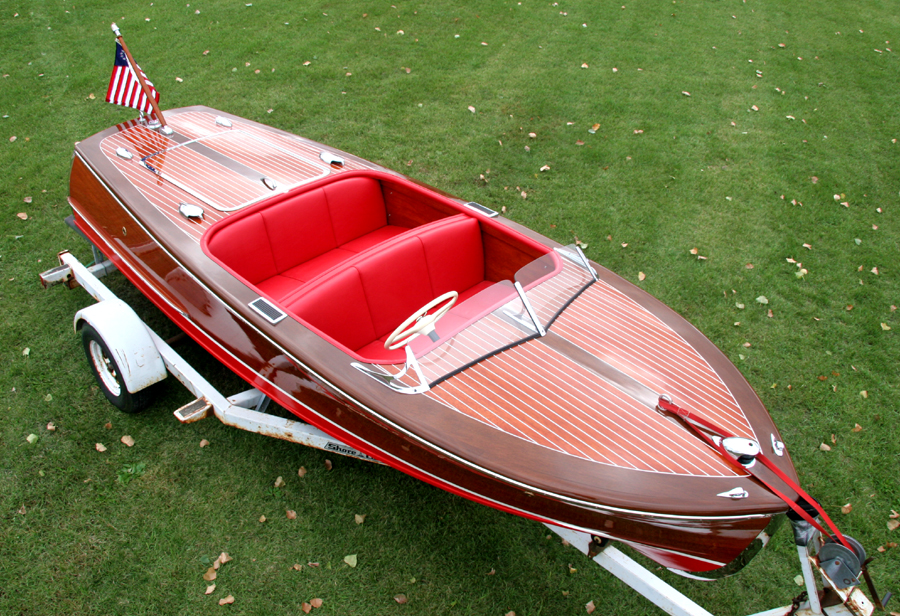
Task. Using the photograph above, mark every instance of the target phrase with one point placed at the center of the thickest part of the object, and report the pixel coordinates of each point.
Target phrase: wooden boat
(536, 392)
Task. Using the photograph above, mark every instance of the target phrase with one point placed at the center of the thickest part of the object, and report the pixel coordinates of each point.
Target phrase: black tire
(108, 375)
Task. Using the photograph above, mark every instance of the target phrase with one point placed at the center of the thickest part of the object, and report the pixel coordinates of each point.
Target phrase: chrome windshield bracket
(586, 263)
(527, 304)
(393, 380)
(578, 259)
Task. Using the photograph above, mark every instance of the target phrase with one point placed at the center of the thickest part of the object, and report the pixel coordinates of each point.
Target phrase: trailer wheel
(109, 377)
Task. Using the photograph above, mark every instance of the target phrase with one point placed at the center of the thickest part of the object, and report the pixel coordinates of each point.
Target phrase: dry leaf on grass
(221, 560)
(210, 574)
(306, 607)
(359, 519)
(401, 598)
(262, 519)
(204, 443)
(297, 567)
(279, 482)
(328, 465)
(824, 447)
(127, 440)
(291, 514)
(316, 603)
(893, 524)
(847, 508)
(856, 428)
(301, 471)
(22, 215)
(641, 275)
(589, 607)
(210, 589)
(471, 108)
(100, 447)
(350, 559)
(33, 438)
(227, 600)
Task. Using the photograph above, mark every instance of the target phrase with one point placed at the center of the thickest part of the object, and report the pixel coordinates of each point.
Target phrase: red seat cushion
(356, 206)
(245, 248)
(299, 229)
(454, 255)
(314, 267)
(392, 283)
(396, 282)
(374, 238)
(338, 309)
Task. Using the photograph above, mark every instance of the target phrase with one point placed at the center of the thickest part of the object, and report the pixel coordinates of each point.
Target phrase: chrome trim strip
(323, 171)
(397, 427)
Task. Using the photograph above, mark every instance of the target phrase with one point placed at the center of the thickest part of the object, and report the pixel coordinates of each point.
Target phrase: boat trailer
(128, 357)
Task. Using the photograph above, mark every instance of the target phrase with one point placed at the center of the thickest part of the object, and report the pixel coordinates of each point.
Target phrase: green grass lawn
(759, 119)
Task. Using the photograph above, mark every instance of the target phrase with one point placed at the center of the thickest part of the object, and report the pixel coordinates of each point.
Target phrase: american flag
(124, 87)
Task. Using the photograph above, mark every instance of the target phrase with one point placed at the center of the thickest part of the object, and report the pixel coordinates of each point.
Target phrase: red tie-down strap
(702, 426)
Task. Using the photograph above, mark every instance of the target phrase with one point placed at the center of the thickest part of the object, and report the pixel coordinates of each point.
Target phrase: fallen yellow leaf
(210, 589)
(210, 574)
(227, 600)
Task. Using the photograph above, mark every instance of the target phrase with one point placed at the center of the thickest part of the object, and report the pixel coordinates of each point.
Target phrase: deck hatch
(270, 312)
(223, 170)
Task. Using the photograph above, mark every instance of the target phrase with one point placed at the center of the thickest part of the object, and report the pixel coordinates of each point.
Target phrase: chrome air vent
(483, 209)
(270, 312)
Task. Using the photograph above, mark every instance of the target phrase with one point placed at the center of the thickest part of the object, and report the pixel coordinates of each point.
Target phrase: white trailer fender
(128, 339)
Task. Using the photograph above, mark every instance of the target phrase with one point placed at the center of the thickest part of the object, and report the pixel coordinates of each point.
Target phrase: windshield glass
(496, 318)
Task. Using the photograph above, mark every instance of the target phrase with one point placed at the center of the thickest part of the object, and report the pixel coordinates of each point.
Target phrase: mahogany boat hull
(426, 436)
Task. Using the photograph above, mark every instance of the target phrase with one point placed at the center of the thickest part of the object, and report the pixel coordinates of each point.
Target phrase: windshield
(491, 321)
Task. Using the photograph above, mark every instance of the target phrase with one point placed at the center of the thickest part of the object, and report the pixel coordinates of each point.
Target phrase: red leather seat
(361, 305)
(281, 247)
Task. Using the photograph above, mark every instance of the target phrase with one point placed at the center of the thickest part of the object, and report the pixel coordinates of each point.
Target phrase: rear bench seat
(281, 247)
(361, 304)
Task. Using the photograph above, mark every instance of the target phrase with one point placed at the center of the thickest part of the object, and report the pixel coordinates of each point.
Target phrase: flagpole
(140, 77)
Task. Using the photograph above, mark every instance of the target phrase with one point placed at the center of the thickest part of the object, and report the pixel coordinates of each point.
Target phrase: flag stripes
(124, 87)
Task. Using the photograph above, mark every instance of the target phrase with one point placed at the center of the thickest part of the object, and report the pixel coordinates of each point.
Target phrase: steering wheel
(421, 322)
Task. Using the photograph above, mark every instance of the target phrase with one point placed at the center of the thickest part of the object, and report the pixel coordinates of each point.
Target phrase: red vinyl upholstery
(283, 246)
(359, 307)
